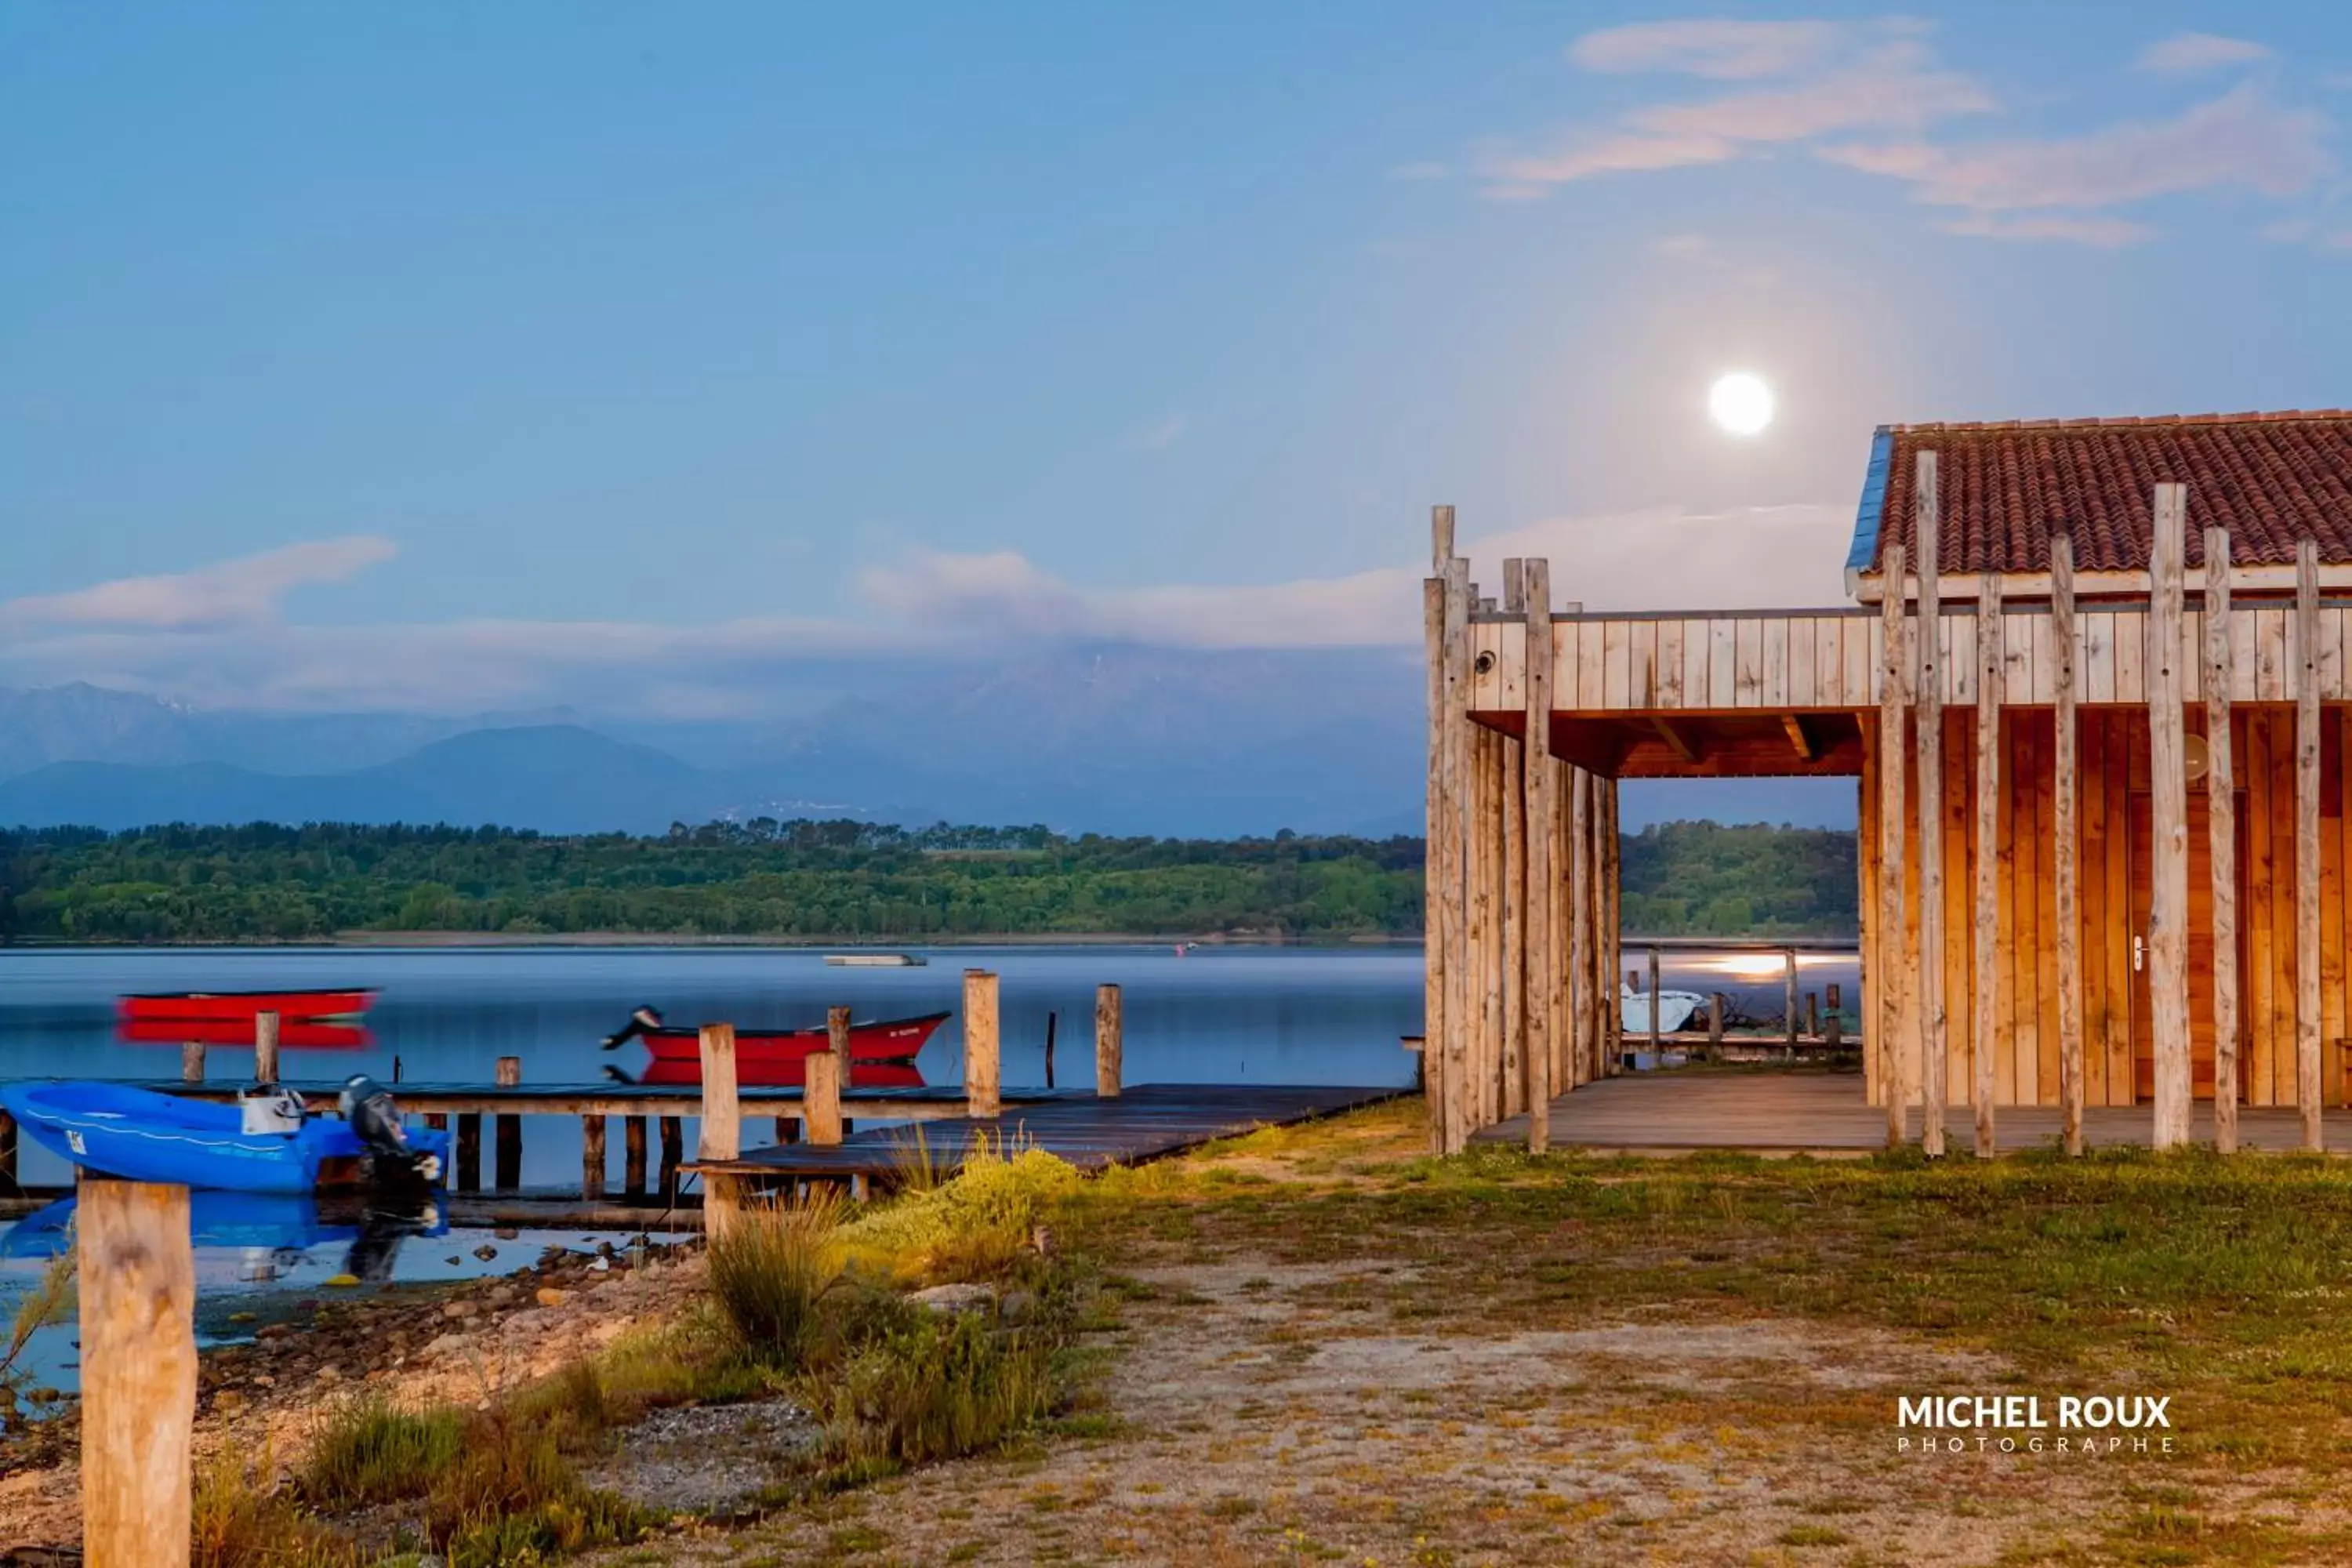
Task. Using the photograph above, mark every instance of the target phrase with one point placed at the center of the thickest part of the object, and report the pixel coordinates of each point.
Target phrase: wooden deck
(1147, 1122)
(1824, 1113)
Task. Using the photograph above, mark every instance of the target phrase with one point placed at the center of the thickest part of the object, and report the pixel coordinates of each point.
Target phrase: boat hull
(239, 1006)
(779, 1057)
(115, 1129)
(302, 1035)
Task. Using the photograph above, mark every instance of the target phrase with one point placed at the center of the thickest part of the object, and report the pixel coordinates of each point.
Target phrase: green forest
(841, 880)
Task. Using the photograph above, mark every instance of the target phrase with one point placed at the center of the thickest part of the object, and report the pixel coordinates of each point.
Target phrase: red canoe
(239, 1006)
(774, 1056)
(302, 1035)
(861, 1075)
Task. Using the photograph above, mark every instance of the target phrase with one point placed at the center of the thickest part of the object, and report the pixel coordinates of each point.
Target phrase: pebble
(549, 1296)
(955, 1298)
(228, 1402)
(485, 1252)
(331, 1374)
(343, 1281)
(443, 1345)
(505, 1233)
(460, 1309)
(502, 1294)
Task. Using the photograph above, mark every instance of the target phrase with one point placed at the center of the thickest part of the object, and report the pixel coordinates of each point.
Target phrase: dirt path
(1273, 1414)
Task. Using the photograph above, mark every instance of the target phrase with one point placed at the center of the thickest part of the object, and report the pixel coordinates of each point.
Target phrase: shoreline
(685, 940)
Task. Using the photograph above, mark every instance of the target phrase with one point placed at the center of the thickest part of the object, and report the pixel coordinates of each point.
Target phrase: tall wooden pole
(1934, 1020)
(2068, 892)
(1110, 1041)
(1462, 1013)
(1982, 1042)
(1584, 1052)
(2221, 836)
(136, 1282)
(1485, 918)
(1612, 918)
(2307, 1087)
(1540, 816)
(1892, 844)
(1563, 886)
(2168, 921)
(1511, 864)
(719, 1135)
(1440, 882)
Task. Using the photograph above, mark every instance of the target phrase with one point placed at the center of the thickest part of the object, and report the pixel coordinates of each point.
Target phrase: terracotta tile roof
(2007, 488)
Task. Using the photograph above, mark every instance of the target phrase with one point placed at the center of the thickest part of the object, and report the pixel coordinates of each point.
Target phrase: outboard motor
(266, 1108)
(645, 1017)
(375, 1119)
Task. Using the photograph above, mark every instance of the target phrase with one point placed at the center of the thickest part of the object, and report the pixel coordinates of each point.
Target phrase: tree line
(833, 879)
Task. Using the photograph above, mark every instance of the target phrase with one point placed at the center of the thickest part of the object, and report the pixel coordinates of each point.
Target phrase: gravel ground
(706, 1458)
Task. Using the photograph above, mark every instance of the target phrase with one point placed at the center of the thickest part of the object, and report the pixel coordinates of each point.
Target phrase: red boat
(239, 1006)
(861, 1075)
(302, 1035)
(774, 1056)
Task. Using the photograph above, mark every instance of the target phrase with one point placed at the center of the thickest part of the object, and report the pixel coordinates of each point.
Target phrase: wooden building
(2109, 650)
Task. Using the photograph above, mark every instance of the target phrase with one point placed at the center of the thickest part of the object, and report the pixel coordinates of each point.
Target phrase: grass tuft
(772, 1269)
(371, 1451)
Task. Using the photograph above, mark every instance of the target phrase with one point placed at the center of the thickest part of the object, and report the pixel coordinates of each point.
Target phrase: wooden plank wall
(2113, 763)
(1832, 658)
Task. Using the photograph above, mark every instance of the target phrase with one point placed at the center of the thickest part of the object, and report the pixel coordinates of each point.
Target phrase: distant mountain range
(1122, 740)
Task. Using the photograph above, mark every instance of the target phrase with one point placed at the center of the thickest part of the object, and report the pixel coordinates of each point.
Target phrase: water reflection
(259, 1234)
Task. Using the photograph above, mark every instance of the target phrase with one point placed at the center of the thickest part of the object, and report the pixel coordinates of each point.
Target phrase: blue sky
(429, 356)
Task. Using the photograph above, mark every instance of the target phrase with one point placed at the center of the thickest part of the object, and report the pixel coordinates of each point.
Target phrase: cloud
(1892, 84)
(2241, 138)
(1719, 47)
(918, 609)
(232, 593)
(2105, 233)
(2184, 54)
(1159, 434)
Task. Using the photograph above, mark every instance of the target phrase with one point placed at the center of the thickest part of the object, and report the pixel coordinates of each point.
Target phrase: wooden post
(469, 1150)
(2067, 906)
(1441, 880)
(1486, 921)
(982, 1085)
(1658, 1033)
(720, 1133)
(510, 1128)
(2168, 921)
(137, 1281)
(1982, 1001)
(1788, 997)
(1110, 1041)
(1582, 1051)
(1715, 1026)
(1560, 988)
(1511, 871)
(1612, 923)
(1462, 1006)
(192, 1061)
(1813, 1014)
(1935, 1015)
(821, 1098)
(1894, 848)
(2308, 1087)
(1053, 1025)
(265, 1048)
(592, 1158)
(673, 1155)
(2221, 837)
(632, 1155)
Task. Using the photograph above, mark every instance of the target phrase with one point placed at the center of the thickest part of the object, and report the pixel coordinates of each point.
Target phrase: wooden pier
(1147, 1122)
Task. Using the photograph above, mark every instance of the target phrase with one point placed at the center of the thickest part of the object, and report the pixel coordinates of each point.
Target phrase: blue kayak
(135, 1134)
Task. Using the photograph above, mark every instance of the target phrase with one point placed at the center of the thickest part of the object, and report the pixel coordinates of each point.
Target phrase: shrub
(912, 1386)
(372, 1452)
(971, 1227)
(772, 1269)
(236, 1520)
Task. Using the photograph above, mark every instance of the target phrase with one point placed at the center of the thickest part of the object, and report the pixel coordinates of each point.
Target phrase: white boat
(876, 960)
(1675, 1008)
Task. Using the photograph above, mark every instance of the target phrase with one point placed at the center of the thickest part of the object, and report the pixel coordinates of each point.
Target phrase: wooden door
(2201, 947)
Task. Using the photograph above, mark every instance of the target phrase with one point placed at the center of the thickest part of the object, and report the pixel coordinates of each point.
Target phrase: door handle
(2140, 952)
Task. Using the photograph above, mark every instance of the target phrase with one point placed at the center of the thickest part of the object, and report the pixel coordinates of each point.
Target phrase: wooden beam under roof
(1686, 746)
(1794, 723)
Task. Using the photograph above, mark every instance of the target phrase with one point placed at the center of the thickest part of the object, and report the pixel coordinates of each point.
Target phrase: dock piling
(632, 1156)
(192, 1061)
(983, 1079)
(510, 1128)
(469, 1152)
(138, 1288)
(721, 1136)
(821, 1097)
(265, 1048)
(592, 1158)
(673, 1155)
(1110, 1041)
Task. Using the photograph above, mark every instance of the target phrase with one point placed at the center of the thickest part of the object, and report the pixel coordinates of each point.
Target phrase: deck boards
(1825, 1112)
(1145, 1123)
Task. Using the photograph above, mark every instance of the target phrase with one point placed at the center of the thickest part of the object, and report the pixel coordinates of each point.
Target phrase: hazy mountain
(1127, 740)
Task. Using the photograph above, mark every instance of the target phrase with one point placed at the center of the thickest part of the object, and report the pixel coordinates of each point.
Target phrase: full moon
(1741, 403)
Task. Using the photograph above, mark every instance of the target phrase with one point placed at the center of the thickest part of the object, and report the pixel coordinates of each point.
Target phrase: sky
(655, 358)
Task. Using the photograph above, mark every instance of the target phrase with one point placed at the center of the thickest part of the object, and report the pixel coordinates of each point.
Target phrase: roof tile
(2007, 488)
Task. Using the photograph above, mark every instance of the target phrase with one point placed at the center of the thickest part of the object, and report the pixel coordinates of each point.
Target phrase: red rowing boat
(239, 1006)
(774, 1056)
(861, 1075)
(302, 1035)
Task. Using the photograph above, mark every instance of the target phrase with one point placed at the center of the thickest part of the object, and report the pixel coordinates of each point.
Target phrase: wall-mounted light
(2200, 760)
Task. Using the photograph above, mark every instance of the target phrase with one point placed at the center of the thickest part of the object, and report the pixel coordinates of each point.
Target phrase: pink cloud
(230, 593)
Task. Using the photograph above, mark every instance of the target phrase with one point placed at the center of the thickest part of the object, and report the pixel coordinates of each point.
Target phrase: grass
(370, 1451)
(772, 1269)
